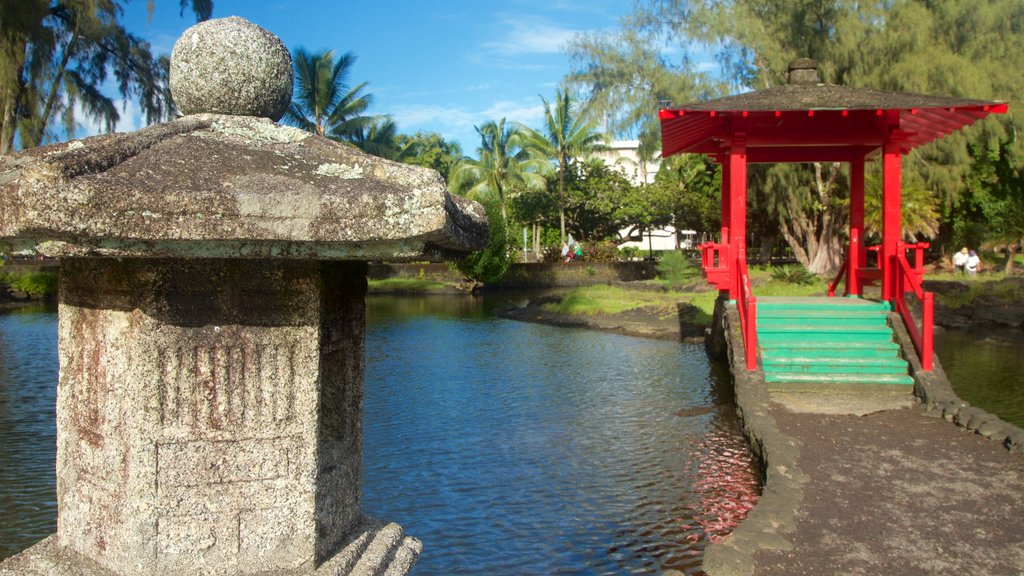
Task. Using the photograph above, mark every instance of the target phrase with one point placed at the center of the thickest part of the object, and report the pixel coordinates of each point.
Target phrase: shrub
(490, 264)
(676, 269)
(629, 252)
(35, 284)
(793, 274)
(604, 251)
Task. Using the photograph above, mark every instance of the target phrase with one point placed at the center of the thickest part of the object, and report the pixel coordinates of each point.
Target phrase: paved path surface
(898, 492)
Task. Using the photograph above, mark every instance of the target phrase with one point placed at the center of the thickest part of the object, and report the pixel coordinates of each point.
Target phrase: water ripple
(515, 448)
(507, 448)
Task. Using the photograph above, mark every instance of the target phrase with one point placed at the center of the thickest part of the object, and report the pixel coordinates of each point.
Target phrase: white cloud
(530, 35)
(130, 119)
(457, 123)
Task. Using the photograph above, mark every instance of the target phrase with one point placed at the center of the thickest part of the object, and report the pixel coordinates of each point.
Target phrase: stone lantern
(211, 325)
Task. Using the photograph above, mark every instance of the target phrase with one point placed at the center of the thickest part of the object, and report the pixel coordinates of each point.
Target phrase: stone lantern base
(209, 421)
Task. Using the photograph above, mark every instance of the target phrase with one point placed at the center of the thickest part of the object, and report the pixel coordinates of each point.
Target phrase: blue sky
(442, 66)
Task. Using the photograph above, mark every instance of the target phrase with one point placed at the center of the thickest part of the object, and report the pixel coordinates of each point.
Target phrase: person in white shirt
(973, 263)
(960, 260)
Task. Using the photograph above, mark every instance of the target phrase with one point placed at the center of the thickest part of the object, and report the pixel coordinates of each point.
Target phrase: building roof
(809, 121)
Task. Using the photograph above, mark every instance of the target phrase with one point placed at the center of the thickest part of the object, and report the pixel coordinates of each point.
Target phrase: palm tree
(323, 102)
(504, 165)
(565, 137)
(379, 138)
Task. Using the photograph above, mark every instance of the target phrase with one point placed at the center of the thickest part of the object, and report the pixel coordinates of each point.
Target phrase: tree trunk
(44, 117)
(561, 199)
(1011, 253)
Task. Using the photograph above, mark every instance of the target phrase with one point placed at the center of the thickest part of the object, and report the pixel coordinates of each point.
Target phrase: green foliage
(603, 251)
(56, 55)
(430, 150)
(406, 284)
(323, 102)
(504, 166)
(793, 275)
(629, 252)
(568, 134)
(379, 137)
(676, 269)
(599, 200)
(490, 264)
(35, 284)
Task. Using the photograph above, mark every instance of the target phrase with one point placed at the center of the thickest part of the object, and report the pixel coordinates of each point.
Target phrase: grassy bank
(35, 284)
(409, 285)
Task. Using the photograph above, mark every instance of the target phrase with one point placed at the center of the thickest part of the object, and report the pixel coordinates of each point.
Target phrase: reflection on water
(514, 448)
(28, 434)
(985, 369)
(508, 448)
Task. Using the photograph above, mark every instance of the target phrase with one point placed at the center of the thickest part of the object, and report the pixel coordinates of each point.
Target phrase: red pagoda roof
(811, 122)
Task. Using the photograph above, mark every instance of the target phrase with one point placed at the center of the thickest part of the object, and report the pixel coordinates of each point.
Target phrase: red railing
(715, 263)
(839, 277)
(909, 278)
(865, 274)
(747, 303)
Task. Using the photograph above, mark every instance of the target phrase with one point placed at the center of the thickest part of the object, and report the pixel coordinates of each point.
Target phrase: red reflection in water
(727, 485)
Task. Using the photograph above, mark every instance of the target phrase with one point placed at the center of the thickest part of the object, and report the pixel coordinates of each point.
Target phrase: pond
(508, 448)
(985, 369)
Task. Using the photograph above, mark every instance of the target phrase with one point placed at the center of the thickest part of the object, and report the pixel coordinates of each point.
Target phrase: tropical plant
(490, 264)
(997, 188)
(323, 102)
(55, 55)
(793, 275)
(919, 215)
(504, 166)
(567, 135)
(379, 138)
(429, 150)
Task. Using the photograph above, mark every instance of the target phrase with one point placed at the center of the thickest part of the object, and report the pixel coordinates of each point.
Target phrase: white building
(622, 155)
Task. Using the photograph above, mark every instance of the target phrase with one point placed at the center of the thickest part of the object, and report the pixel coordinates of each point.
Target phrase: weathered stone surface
(214, 186)
(372, 548)
(209, 413)
(231, 66)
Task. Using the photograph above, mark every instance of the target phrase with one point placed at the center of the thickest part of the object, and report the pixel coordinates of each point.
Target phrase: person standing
(973, 263)
(960, 260)
(565, 253)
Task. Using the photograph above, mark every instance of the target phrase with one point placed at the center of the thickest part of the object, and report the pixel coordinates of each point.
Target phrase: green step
(850, 334)
(798, 377)
(817, 318)
(812, 303)
(850, 350)
(825, 365)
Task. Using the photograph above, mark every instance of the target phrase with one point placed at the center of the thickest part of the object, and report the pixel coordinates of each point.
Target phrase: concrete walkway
(862, 484)
(900, 493)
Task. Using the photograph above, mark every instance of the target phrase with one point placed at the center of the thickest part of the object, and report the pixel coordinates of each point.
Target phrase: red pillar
(726, 214)
(857, 252)
(723, 160)
(891, 226)
(737, 170)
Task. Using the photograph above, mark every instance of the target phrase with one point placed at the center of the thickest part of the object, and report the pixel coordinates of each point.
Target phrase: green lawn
(407, 284)
(592, 300)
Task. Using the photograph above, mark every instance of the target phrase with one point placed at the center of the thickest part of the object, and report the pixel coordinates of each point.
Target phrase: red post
(737, 171)
(722, 161)
(891, 231)
(927, 330)
(857, 252)
(726, 214)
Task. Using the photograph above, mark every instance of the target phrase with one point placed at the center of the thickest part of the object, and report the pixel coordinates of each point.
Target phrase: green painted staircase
(833, 341)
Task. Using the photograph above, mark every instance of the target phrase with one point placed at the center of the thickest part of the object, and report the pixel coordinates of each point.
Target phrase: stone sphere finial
(231, 66)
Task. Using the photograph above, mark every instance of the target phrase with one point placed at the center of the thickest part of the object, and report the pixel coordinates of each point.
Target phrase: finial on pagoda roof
(231, 66)
(803, 71)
